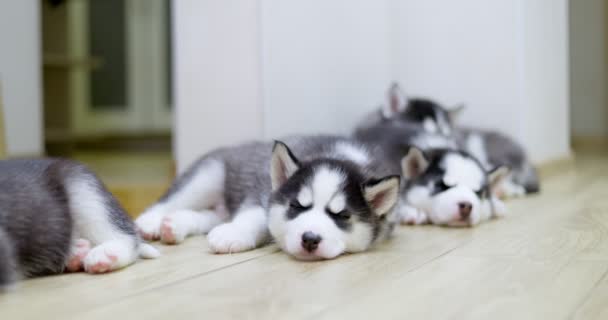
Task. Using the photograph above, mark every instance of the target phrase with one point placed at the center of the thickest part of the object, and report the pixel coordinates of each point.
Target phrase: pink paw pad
(147, 236)
(103, 266)
(80, 249)
(166, 232)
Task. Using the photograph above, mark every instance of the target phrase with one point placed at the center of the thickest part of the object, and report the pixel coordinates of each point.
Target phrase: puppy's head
(324, 208)
(431, 116)
(450, 186)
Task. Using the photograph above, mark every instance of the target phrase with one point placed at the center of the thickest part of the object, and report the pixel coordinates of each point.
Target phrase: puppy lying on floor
(56, 215)
(448, 188)
(319, 198)
(434, 127)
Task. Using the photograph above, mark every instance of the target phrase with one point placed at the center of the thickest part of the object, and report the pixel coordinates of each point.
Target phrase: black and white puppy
(424, 113)
(56, 215)
(319, 198)
(449, 188)
(493, 149)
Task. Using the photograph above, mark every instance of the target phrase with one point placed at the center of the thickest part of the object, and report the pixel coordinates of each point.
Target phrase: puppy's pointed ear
(497, 176)
(396, 101)
(413, 164)
(283, 165)
(455, 112)
(382, 194)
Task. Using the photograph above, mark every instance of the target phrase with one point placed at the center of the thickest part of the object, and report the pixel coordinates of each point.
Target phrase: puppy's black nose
(310, 241)
(465, 209)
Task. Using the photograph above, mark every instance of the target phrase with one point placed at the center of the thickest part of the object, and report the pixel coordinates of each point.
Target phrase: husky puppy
(56, 215)
(319, 198)
(441, 185)
(491, 148)
(449, 188)
(421, 113)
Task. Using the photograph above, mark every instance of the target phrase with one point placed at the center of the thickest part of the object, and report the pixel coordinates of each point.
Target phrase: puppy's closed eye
(295, 204)
(341, 215)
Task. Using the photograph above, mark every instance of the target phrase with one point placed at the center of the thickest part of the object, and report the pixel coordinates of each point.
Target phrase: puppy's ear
(497, 176)
(382, 194)
(283, 165)
(455, 112)
(396, 101)
(413, 164)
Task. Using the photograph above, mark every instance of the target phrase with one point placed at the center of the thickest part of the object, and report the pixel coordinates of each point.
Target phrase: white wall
(316, 67)
(588, 59)
(506, 60)
(465, 51)
(271, 68)
(546, 96)
(20, 79)
(325, 64)
(217, 78)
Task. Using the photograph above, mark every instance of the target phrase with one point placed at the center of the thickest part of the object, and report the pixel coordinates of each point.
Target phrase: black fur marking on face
(440, 186)
(420, 109)
(355, 203)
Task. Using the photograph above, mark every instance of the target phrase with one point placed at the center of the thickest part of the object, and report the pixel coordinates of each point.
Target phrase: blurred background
(138, 89)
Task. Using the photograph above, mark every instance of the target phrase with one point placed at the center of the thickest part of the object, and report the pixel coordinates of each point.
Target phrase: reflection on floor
(137, 179)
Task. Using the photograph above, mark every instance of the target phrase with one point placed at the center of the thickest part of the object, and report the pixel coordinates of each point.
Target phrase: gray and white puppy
(493, 149)
(56, 215)
(318, 198)
(449, 188)
(441, 185)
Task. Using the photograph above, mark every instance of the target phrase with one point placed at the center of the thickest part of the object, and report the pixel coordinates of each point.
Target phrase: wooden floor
(547, 260)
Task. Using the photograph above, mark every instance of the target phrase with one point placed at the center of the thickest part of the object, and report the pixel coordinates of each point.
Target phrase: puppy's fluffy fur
(317, 196)
(56, 215)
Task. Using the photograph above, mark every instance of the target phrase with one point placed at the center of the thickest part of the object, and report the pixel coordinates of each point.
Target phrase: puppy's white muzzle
(457, 207)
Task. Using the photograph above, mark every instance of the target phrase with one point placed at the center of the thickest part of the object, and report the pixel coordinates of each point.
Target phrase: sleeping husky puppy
(55, 215)
(491, 148)
(319, 198)
(440, 184)
(449, 188)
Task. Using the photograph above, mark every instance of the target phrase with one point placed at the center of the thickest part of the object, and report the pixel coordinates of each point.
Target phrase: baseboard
(590, 143)
(556, 166)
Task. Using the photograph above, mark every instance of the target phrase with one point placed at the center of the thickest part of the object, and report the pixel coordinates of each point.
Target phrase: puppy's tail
(8, 262)
(147, 251)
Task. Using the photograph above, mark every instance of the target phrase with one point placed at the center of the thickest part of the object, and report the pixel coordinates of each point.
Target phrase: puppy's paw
(148, 225)
(79, 251)
(500, 209)
(172, 232)
(109, 256)
(509, 190)
(412, 216)
(228, 238)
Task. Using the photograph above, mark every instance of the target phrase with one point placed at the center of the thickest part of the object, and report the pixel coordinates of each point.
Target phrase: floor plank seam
(407, 271)
(202, 274)
(421, 265)
(589, 294)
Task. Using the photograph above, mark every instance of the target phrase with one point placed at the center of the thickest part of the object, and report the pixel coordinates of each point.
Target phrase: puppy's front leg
(247, 230)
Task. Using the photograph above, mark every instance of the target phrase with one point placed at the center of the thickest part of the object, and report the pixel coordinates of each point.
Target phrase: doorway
(108, 91)
(589, 74)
